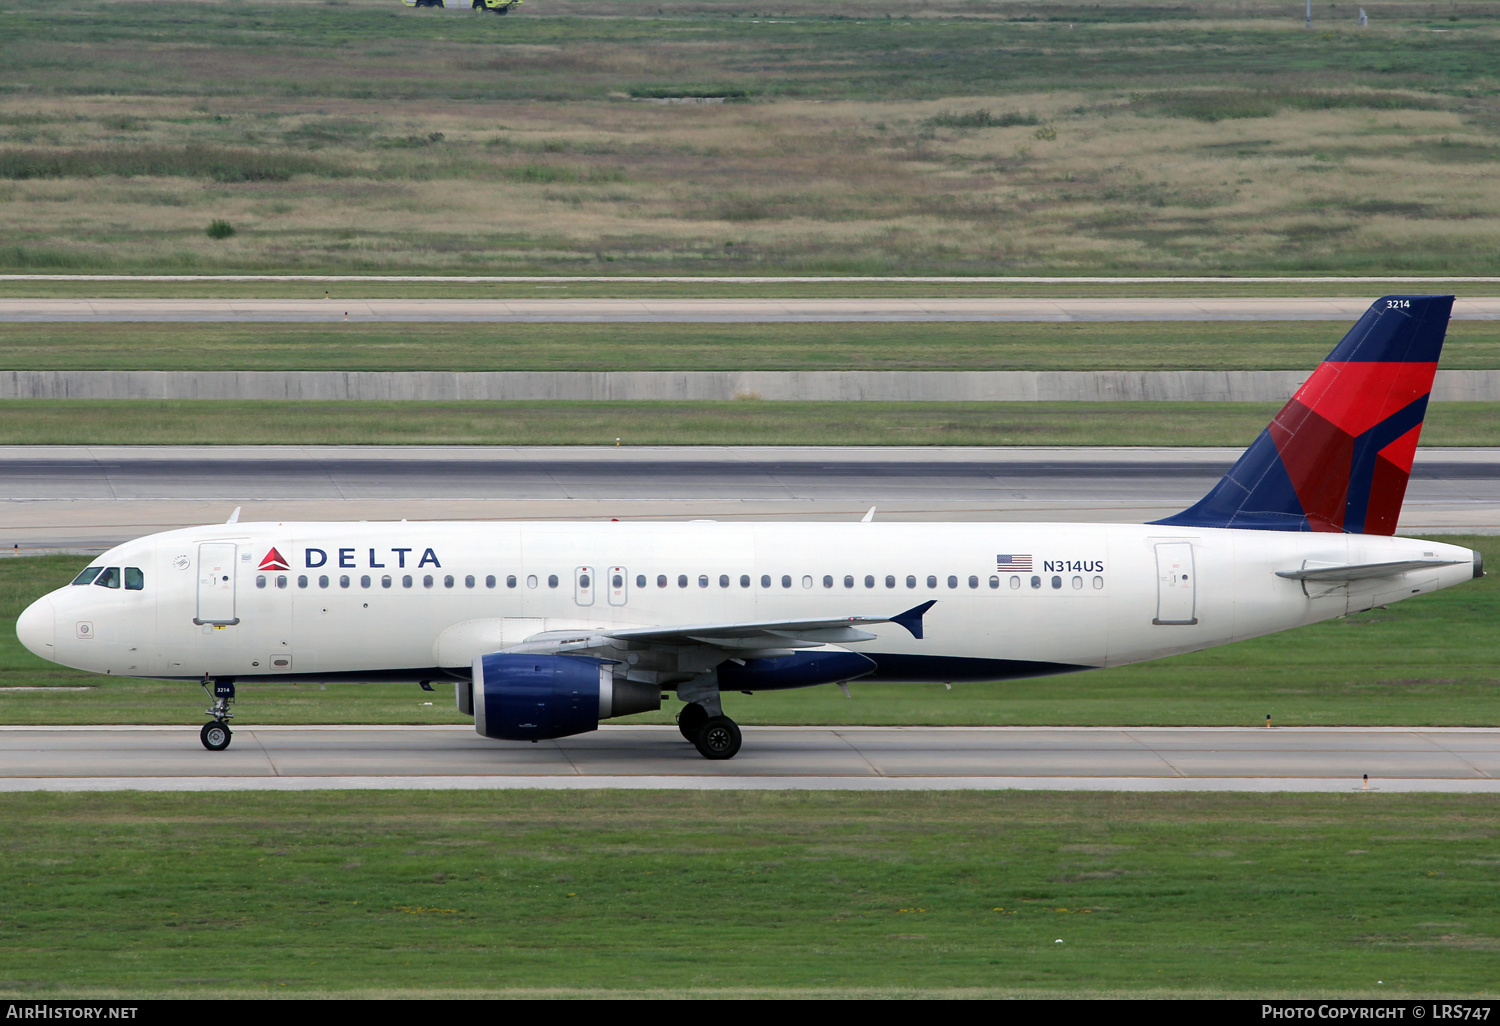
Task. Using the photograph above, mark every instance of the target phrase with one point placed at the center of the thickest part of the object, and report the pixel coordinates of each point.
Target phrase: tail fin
(1337, 457)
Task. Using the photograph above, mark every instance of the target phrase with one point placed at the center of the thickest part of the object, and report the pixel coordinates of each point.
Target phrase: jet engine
(517, 697)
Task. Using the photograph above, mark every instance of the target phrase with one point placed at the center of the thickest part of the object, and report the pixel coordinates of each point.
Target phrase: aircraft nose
(37, 627)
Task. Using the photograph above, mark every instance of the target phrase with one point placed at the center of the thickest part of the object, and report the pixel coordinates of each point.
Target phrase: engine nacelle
(535, 697)
(799, 670)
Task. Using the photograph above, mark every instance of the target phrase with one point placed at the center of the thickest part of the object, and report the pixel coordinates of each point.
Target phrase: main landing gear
(715, 737)
(217, 735)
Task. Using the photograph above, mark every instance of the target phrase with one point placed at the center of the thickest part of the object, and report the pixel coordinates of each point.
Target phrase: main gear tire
(690, 721)
(719, 738)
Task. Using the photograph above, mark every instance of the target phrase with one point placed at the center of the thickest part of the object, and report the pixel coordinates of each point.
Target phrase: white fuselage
(408, 600)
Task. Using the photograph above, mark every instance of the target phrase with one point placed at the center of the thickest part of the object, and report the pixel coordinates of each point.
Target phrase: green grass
(1150, 894)
(1428, 661)
(1172, 345)
(838, 288)
(871, 137)
(749, 422)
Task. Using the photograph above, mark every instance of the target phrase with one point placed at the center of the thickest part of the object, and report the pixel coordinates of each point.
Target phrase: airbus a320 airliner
(548, 628)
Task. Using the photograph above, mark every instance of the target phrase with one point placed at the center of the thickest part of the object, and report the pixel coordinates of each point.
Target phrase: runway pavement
(724, 310)
(91, 497)
(1447, 759)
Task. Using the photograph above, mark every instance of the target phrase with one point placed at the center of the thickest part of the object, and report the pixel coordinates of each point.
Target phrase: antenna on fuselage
(868, 517)
(234, 517)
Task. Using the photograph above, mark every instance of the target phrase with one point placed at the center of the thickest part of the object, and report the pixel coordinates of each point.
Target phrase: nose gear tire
(215, 736)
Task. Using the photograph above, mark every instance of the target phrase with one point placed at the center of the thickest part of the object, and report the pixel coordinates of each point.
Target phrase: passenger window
(848, 580)
(489, 581)
(531, 580)
(931, 581)
(469, 581)
(1015, 582)
(744, 580)
(510, 580)
(828, 580)
(869, 580)
(364, 581)
(1036, 582)
(551, 580)
(807, 580)
(703, 580)
(260, 580)
(1077, 583)
(385, 580)
(765, 580)
(994, 582)
(134, 579)
(952, 581)
(406, 580)
(1057, 582)
(110, 578)
(973, 581)
(618, 581)
(301, 580)
(661, 580)
(427, 580)
(682, 581)
(723, 580)
(343, 580)
(786, 580)
(890, 581)
(281, 580)
(323, 581)
(911, 581)
(88, 575)
(1098, 583)
(448, 581)
(640, 580)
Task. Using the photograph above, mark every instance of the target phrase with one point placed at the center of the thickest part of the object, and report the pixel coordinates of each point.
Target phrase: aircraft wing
(759, 633)
(1363, 571)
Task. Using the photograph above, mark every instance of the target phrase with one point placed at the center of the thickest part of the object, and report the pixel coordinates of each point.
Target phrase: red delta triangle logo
(273, 561)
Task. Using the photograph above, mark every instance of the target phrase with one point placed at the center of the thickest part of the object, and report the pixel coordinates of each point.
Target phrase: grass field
(1433, 660)
(746, 422)
(440, 892)
(145, 286)
(871, 138)
(1173, 345)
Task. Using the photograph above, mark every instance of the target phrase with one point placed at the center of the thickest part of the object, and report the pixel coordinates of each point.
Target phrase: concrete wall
(895, 386)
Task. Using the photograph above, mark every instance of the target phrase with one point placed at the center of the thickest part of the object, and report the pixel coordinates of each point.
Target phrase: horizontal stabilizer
(1364, 571)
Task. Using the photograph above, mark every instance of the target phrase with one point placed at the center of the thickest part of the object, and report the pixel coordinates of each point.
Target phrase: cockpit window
(135, 580)
(87, 577)
(110, 578)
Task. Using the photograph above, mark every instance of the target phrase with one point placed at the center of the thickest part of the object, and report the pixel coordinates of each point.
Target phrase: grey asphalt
(782, 758)
(89, 497)
(724, 310)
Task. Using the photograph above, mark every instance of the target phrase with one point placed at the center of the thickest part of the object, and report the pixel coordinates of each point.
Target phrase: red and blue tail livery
(1338, 455)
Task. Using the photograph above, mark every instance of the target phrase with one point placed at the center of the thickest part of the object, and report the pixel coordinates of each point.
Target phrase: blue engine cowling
(799, 670)
(535, 697)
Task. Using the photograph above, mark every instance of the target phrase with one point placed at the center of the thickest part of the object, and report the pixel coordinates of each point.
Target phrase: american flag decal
(1016, 562)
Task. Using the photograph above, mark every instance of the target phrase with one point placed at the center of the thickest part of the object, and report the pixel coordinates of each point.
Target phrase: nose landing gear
(217, 735)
